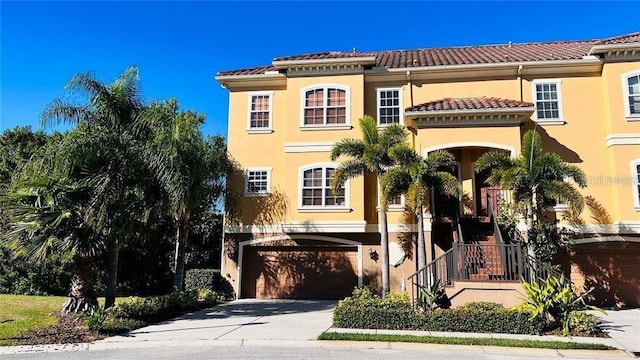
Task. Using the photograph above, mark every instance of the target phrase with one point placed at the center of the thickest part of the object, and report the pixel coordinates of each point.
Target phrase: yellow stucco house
(297, 239)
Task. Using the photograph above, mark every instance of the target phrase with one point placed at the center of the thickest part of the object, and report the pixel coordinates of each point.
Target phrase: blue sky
(179, 46)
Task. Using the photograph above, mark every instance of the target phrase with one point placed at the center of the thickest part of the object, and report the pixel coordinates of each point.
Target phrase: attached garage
(611, 268)
(299, 272)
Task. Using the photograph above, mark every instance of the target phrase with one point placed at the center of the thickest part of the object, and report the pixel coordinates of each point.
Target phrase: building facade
(296, 238)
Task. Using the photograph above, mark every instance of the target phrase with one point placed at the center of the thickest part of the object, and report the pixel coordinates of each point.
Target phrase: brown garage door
(299, 272)
(612, 269)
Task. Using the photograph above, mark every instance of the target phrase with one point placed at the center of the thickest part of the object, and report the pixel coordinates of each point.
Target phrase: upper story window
(635, 183)
(389, 106)
(257, 181)
(547, 96)
(631, 83)
(326, 105)
(315, 188)
(260, 111)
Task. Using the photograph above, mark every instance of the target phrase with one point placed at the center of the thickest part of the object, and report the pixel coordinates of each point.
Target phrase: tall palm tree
(370, 155)
(416, 177)
(189, 167)
(104, 152)
(534, 176)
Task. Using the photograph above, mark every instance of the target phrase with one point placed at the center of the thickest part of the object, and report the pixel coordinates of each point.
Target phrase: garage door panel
(310, 272)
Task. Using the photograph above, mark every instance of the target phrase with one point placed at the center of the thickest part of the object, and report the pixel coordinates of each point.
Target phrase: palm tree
(370, 156)
(189, 167)
(104, 153)
(534, 176)
(47, 217)
(416, 177)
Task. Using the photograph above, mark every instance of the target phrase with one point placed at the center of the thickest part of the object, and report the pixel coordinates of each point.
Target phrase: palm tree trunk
(420, 248)
(82, 297)
(384, 244)
(112, 274)
(181, 242)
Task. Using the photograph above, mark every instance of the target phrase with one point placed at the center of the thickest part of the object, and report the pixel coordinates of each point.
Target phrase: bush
(114, 326)
(365, 310)
(158, 308)
(553, 301)
(583, 324)
(202, 279)
(210, 279)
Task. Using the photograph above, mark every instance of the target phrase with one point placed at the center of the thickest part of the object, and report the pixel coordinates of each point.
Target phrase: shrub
(583, 324)
(553, 301)
(157, 308)
(366, 310)
(208, 279)
(113, 325)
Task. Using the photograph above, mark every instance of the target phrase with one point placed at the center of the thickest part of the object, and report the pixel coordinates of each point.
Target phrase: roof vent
(509, 44)
(354, 50)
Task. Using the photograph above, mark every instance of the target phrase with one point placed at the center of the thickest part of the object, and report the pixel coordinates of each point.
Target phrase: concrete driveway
(246, 319)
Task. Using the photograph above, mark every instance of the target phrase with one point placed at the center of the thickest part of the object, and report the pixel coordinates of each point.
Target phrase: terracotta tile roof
(249, 71)
(623, 39)
(475, 103)
(466, 55)
(325, 55)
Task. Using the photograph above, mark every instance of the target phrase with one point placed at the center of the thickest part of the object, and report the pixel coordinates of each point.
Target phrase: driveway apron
(245, 319)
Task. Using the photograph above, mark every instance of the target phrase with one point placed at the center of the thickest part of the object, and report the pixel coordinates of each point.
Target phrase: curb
(496, 350)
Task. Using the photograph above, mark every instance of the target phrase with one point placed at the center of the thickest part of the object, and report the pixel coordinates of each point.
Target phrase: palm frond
(403, 154)
(348, 169)
(369, 130)
(348, 147)
(565, 193)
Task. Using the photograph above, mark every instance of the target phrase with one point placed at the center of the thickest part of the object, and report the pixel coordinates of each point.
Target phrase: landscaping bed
(366, 310)
(128, 314)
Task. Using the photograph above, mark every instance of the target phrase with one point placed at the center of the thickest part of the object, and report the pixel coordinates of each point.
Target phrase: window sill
(325, 128)
(256, 194)
(632, 118)
(637, 208)
(325, 210)
(395, 208)
(550, 122)
(558, 208)
(382, 126)
(259, 131)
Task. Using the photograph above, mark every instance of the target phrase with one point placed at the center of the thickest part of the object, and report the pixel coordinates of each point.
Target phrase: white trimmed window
(315, 188)
(396, 203)
(325, 106)
(389, 106)
(631, 83)
(547, 97)
(260, 111)
(257, 181)
(635, 183)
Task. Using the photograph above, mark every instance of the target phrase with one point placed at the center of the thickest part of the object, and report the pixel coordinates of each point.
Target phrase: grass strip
(463, 341)
(20, 313)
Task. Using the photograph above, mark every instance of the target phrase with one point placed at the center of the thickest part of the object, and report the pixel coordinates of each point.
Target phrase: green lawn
(463, 341)
(19, 313)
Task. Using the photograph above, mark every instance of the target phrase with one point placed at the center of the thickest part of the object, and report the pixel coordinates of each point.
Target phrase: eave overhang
(252, 81)
(587, 65)
(468, 118)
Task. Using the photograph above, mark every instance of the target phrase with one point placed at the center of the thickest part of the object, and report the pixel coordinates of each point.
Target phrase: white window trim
(559, 207)
(625, 94)
(400, 104)
(246, 181)
(347, 101)
(634, 183)
(322, 208)
(260, 130)
(560, 119)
